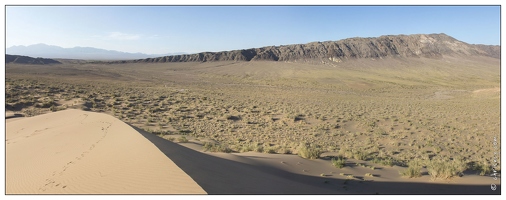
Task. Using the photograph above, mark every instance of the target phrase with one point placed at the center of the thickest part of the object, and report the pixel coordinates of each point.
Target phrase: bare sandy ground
(78, 152)
(488, 90)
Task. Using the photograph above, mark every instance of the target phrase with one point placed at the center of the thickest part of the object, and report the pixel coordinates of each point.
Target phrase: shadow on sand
(14, 116)
(221, 176)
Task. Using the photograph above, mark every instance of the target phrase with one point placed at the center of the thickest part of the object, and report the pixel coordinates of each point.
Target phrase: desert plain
(364, 126)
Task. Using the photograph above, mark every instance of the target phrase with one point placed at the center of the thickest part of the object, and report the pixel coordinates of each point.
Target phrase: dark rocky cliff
(419, 45)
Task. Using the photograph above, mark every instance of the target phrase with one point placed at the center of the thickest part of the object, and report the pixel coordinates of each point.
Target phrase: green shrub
(284, 150)
(259, 148)
(222, 148)
(246, 148)
(414, 169)
(388, 162)
(182, 139)
(360, 155)
(270, 150)
(47, 104)
(445, 169)
(309, 152)
(216, 147)
(338, 162)
(485, 168)
(207, 146)
(383, 161)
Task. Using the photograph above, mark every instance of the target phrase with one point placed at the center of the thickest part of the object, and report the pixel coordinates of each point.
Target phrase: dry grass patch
(413, 170)
(309, 151)
(440, 168)
(216, 147)
(338, 162)
(326, 112)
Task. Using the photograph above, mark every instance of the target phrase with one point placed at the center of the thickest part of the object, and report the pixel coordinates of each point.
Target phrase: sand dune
(78, 152)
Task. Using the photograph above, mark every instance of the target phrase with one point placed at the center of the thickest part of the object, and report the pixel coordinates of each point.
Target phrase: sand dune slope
(78, 152)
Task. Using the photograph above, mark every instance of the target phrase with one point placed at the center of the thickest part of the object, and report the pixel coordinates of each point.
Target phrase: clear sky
(192, 29)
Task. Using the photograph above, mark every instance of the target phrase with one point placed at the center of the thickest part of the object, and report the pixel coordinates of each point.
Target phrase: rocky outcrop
(419, 45)
(29, 60)
(492, 50)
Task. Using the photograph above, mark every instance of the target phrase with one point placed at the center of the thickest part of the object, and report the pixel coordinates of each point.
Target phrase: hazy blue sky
(191, 29)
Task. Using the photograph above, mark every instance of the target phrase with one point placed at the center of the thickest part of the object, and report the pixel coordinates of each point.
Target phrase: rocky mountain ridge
(29, 60)
(417, 45)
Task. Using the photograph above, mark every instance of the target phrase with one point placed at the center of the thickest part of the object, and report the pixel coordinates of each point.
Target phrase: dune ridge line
(79, 152)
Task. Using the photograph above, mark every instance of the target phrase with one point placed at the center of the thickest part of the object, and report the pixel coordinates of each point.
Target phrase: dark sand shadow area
(221, 176)
(16, 115)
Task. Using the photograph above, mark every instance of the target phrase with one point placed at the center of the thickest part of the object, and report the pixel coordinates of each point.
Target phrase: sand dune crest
(80, 152)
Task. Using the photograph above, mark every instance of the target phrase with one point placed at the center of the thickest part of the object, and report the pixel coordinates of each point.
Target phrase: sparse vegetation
(338, 162)
(444, 169)
(422, 116)
(216, 148)
(413, 170)
(309, 151)
(384, 161)
(483, 168)
(360, 155)
(182, 139)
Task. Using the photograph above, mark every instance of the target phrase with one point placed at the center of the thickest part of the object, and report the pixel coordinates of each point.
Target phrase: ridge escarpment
(418, 45)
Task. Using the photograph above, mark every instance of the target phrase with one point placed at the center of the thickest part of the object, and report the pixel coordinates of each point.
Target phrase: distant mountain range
(84, 53)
